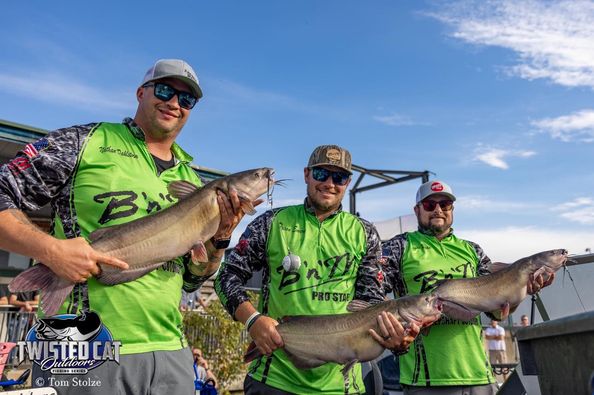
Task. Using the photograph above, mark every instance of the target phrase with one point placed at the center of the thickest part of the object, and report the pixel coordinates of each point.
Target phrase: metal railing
(14, 325)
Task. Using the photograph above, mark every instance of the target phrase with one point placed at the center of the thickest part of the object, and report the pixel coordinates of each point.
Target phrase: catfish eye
(257, 174)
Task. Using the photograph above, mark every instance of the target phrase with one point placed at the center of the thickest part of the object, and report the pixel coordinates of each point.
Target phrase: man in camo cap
(316, 258)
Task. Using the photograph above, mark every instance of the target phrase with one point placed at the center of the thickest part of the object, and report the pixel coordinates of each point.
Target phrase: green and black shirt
(98, 175)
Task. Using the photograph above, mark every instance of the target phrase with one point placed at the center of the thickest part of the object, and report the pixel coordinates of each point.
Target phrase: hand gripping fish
(147, 243)
(311, 341)
(503, 290)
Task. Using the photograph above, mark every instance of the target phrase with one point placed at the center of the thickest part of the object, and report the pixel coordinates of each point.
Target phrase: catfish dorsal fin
(181, 189)
(357, 305)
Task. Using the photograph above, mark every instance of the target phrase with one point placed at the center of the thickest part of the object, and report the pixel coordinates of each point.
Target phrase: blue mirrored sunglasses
(338, 177)
(165, 92)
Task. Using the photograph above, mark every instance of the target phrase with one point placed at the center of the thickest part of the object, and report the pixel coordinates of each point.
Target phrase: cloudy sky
(493, 97)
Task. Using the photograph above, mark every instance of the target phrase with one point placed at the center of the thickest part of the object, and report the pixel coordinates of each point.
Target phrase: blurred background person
(495, 336)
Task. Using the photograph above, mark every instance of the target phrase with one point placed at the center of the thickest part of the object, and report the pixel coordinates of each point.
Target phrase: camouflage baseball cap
(331, 155)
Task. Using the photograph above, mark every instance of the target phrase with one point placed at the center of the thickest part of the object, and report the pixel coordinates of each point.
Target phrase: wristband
(221, 244)
(252, 318)
(398, 353)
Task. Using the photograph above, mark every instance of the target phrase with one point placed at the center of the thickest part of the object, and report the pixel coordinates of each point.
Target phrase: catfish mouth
(558, 260)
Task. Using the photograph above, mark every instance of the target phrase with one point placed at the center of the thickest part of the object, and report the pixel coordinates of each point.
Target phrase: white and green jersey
(339, 263)
(453, 352)
(101, 175)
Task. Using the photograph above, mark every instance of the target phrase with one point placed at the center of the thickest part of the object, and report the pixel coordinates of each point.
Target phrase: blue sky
(494, 98)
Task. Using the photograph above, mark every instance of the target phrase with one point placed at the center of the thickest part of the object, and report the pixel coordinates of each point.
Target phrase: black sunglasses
(166, 92)
(321, 174)
(430, 205)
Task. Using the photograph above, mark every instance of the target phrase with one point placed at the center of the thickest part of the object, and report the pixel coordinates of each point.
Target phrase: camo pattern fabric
(250, 256)
(42, 173)
(392, 251)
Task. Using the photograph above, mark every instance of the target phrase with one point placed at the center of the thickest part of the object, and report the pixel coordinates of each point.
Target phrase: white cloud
(554, 40)
(512, 243)
(395, 120)
(483, 203)
(580, 210)
(496, 156)
(578, 126)
(61, 89)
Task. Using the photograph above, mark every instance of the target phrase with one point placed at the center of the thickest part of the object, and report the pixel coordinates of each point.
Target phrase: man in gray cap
(105, 174)
(450, 359)
(315, 259)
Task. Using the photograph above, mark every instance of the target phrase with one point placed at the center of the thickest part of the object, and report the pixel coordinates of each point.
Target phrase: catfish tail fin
(54, 290)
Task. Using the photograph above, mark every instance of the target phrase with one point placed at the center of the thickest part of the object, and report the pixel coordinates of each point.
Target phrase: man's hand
(76, 261)
(265, 335)
(231, 213)
(393, 335)
(537, 283)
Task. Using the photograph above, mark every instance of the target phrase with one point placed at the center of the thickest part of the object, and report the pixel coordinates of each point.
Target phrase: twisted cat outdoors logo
(69, 344)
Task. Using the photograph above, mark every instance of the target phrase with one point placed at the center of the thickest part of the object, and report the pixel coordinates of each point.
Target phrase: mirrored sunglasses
(338, 177)
(165, 92)
(430, 205)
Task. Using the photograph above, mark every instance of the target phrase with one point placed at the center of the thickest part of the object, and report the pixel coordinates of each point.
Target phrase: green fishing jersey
(100, 175)
(453, 352)
(338, 263)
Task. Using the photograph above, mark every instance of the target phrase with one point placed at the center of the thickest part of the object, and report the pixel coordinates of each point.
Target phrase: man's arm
(369, 285)
(392, 252)
(31, 180)
(248, 256)
(392, 335)
(231, 214)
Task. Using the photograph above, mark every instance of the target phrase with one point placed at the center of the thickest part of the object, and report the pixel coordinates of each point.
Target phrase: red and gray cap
(174, 68)
(434, 187)
(331, 155)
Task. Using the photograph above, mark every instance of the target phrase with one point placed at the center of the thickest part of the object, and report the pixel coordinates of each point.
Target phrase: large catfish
(311, 341)
(505, 289)
(147, 243)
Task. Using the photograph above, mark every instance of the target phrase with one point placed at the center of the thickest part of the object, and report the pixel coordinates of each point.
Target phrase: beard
(322, 207)
(433, 229)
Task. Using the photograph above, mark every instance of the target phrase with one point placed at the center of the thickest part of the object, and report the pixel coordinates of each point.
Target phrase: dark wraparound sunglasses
(166, 92)
(430, 205)
(321, 174)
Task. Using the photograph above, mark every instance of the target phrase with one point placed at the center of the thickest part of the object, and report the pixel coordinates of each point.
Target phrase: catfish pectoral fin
(54, 290)
(253, 352)
(199, 253)
(304, 362)
(247, 206)
(457, 311)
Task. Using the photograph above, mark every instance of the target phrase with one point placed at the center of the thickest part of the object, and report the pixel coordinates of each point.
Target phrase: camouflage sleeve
(392, 251)
(38, 172)
(369, 286)
(248, 256)
(483, 260)
(191, 281)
